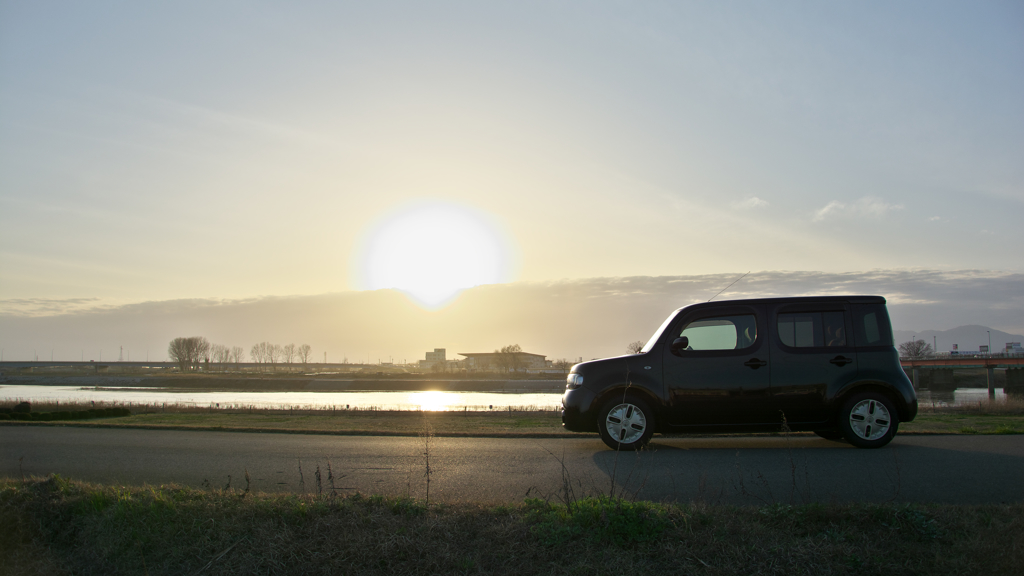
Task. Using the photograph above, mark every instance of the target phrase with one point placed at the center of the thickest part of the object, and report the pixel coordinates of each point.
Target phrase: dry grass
(1009, 406)
(56, 526)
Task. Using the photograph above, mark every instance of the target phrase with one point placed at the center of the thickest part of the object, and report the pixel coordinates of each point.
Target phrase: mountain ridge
(968, 338)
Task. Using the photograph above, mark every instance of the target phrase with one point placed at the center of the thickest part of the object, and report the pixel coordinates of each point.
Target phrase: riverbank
(58, 526)
(498, 423)
(297, 382)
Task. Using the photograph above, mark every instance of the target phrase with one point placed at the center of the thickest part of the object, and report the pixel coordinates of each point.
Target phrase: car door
(722, 377)
(812, 352)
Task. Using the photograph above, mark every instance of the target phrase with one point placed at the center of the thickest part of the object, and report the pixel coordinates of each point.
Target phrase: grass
(57, 526)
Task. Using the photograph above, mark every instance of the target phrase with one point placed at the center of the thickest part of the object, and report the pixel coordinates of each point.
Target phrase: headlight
(574, 381)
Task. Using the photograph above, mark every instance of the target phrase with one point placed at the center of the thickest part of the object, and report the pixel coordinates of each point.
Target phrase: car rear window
(871, 325)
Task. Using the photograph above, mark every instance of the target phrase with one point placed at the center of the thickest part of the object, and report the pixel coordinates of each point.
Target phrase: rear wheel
(868, 420)
(626, 423)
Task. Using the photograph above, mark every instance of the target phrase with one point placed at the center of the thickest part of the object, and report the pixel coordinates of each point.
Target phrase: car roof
(852, 299)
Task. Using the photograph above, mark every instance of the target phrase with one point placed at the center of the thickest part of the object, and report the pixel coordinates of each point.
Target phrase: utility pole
(989, 341)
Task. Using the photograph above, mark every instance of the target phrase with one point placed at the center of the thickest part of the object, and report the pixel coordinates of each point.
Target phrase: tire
(868, 420)
(835, 435)
(626, 424)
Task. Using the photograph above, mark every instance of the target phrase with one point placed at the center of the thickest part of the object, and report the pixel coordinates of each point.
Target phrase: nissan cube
(824, 364)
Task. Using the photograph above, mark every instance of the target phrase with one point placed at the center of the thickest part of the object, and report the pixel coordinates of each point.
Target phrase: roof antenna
(729, 286)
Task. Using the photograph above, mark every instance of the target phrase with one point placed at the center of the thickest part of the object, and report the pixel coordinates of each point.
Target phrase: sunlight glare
(432, 251)
(433, 401)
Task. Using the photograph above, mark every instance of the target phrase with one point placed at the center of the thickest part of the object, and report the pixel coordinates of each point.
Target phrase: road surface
(731, 470)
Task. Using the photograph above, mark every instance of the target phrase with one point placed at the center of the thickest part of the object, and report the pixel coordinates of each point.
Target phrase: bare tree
(916, 349)
(188, 352)
(237, 354)
(509, 358)
(273, 352)
(288, 353)
(304, 353)
(563, 365)
(259, 353)
(635, 347)
(220, 354)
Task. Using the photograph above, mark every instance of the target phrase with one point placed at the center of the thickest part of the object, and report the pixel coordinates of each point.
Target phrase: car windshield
(657, 333)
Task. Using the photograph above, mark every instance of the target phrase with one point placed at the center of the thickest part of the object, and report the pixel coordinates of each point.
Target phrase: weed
(319, 484)
(428, 436)
(248, 479)
(568, 494)
(330, 479)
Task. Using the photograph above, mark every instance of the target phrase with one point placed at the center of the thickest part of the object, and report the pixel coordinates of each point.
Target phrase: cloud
(867, 206)
(749, 203)
(590, 317)
(48, 306)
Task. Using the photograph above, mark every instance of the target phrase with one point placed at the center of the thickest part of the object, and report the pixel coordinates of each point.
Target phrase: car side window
(721, 332)
(813, 329)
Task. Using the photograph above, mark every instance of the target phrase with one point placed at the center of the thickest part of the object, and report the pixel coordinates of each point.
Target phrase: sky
(156, 152)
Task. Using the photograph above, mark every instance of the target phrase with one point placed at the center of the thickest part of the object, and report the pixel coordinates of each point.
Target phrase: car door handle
(841, 361)
(755, 363)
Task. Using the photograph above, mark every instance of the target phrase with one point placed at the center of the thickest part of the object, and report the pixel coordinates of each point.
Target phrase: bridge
(941, 369)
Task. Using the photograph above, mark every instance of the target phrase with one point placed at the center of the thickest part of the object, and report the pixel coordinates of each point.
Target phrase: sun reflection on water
(434, 401)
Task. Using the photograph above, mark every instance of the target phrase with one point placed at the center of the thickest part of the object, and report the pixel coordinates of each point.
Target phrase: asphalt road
(732, 470)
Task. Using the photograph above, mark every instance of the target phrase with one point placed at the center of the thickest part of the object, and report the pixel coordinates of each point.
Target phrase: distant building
(1014, 348)
(435, 357)
(523, 361)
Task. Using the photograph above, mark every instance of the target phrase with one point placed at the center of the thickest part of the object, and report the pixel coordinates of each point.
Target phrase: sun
(434, 250)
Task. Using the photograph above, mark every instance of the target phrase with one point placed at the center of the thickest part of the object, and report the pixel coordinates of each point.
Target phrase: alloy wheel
(626, 423)
(870, 419)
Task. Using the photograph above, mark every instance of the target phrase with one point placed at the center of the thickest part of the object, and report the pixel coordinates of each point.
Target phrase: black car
(823, 364)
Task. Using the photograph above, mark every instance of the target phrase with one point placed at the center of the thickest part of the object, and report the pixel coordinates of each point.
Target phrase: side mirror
(679, 344)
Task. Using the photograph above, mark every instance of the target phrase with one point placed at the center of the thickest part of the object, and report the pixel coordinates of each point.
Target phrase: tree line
(192, 352)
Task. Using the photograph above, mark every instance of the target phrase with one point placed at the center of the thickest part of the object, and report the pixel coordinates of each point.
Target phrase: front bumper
(578, 410)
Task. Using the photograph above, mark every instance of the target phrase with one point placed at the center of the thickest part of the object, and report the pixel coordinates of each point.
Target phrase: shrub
(23, 407)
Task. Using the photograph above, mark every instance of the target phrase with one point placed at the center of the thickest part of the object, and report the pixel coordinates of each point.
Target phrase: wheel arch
(902, 411)
(626, 391)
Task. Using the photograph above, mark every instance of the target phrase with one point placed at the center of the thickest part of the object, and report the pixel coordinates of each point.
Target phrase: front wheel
(868, 420)
(626, 424)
